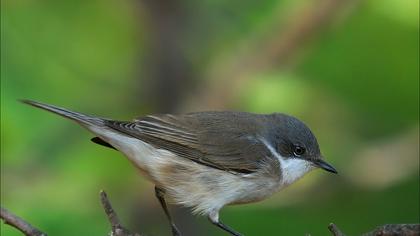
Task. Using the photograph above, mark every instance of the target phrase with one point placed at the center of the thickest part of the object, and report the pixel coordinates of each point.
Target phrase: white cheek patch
(292, 169)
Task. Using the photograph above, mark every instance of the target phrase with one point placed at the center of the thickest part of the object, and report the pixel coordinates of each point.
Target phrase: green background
(355, 82)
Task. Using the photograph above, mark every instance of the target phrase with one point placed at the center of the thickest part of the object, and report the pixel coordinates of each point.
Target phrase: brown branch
(384, 230)
(226, 76)
(117, 228)
(396, 229)
(20, 224)
(334, 230)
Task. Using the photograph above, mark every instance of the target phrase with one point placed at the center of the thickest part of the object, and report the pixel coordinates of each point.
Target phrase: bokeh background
(349, 69)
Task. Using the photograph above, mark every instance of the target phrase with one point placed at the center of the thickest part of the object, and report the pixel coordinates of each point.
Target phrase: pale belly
(194, 185)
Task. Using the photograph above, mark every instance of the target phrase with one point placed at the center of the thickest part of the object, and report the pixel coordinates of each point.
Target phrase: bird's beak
(324, 165)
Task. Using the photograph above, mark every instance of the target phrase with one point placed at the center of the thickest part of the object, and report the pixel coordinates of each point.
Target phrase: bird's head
(296, 144)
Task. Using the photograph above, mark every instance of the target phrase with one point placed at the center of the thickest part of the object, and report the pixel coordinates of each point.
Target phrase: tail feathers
(78, 117)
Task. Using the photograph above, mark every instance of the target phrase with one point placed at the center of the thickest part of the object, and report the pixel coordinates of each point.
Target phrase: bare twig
(384, 230)
(334, 230)
(396, 229)
(19, 224)
(117, 228)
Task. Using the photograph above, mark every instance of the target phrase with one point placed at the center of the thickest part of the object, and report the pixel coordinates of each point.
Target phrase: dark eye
(298, 150)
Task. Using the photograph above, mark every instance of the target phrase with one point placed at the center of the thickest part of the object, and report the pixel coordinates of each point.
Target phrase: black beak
(324, 165)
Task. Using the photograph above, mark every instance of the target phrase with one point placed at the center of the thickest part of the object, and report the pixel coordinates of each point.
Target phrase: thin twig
(117, 228)
(20, 224)
(335, 230)
(395, 229)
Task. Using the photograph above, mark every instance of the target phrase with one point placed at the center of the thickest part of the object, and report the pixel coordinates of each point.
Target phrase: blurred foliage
(356, 85)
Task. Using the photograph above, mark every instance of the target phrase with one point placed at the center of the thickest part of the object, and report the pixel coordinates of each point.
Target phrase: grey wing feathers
(218, 143)
(222, 140)
(167, 127)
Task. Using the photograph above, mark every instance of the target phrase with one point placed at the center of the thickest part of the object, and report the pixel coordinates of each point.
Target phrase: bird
(207, 160)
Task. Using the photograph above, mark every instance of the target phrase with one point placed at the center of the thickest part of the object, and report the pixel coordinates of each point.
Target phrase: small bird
(206, 160)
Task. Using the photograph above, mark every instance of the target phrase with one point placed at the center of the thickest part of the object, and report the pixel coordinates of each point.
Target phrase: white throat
(292, 169)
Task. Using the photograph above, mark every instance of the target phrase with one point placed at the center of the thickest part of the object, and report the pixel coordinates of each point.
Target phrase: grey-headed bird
(206, 160)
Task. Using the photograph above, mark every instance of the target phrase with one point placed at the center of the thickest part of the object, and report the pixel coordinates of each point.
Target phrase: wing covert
(211, 139)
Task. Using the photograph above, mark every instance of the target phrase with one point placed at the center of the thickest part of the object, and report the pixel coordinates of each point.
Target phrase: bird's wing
(225, 141)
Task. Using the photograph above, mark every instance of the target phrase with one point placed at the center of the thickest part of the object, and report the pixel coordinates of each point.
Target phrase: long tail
(82, 119)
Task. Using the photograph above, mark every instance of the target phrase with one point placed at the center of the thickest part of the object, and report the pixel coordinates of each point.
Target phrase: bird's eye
(298, 150)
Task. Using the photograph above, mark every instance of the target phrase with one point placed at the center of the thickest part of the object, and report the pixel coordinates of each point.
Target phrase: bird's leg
(226, 228)
(214, 219)
(160, 195)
